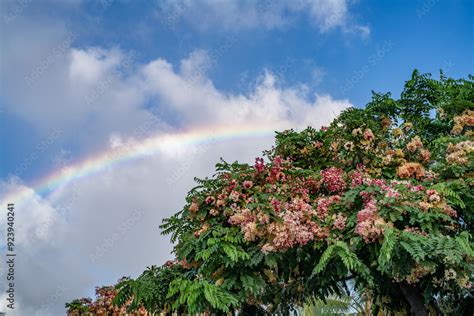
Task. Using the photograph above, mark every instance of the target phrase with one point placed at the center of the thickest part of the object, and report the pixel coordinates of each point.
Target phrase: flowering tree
(381, 197)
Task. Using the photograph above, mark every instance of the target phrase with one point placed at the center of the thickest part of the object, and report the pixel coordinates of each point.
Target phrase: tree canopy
(381, 198)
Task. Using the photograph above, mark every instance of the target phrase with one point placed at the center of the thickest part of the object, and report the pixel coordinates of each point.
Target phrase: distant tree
(103, 305)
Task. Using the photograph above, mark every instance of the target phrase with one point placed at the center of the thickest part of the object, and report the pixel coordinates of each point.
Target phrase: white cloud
(200, 103)
(231, 15)
(328, 14)
(93, 64)
(198, 62)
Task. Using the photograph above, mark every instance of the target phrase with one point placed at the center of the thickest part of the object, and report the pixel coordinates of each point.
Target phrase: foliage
(78, 306)
(383, 197)
(103, 304)
(336, 305)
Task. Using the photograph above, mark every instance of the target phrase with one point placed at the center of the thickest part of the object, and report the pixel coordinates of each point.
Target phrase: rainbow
(115, 156)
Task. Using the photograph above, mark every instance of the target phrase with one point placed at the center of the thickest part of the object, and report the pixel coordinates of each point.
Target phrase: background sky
(84, 78)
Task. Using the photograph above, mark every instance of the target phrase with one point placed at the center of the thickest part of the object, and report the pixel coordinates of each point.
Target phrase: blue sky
(81, 77)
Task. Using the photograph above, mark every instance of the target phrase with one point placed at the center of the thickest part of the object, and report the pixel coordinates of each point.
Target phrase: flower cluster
(259, 164)
(358, 176)
(296, 227)
(247, 221)
(388, 189)
(417, 273)
(411, 170)
(339, 221)
(366, 136)
(414, 144)
(324, 204)
(295, 218)
(461, 121)
(332, 178)
(370, 226)
(458, 154)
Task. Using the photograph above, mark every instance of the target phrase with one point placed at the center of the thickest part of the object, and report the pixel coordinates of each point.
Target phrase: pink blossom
(433, 196)
(234, 196)
(365, 196)
(424, 206)
(382, 184)
(203, 229)
(210, 200)
(416, 188)
(368, 135)
(194, 207)
(295, 227)
(276, 205)
(250, 231)
(242, 217)
(340, 221)
(369, 224)
(312, 185)
(266, 248)
(320, 232)
(275, 173)
(247, 184)
(231, 185)
(263, 218)
(369, 211)
(392, 193)
(425, 154)
(448, 210)
(324, 204)
(318, 144)
(220, 202)
(277, 161)
(357, 178)
(259, 164)
(332, 178)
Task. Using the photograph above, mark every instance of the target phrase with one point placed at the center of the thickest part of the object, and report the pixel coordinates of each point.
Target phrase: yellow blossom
(397, 132)
(407, 126)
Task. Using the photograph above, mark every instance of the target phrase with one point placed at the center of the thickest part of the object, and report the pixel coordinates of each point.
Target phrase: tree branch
(415, 299)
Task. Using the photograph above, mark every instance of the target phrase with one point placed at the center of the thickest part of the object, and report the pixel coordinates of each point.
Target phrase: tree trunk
(415, 299)
(252, 310)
